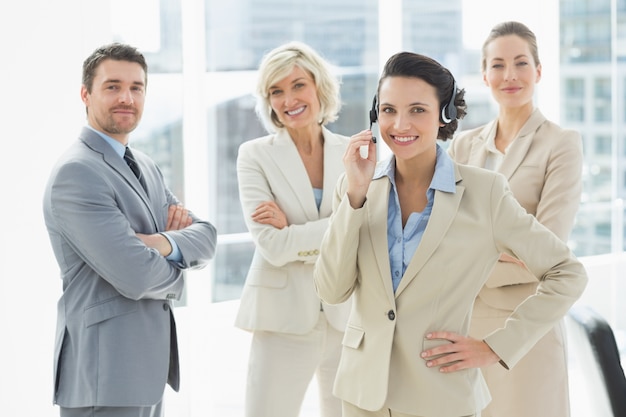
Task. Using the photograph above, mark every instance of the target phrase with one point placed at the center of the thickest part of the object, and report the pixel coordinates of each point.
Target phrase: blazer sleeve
(294, 243)
(459, 148)
(86, 207)
(336, 272)
(560, 196)
(197, 242)
(562, 276)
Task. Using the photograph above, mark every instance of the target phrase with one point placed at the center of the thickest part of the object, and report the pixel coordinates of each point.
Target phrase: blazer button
(391, 315)
(166, 306)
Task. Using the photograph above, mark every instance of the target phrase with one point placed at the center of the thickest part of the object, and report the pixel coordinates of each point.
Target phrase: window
(237, 35)
(574, 92)
(603, 145)
(602, 100)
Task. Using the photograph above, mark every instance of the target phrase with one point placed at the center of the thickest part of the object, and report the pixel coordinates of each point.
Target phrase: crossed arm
(177, 218)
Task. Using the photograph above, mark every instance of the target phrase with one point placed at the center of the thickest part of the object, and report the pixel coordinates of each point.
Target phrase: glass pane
(231, 267)
(238, 34)
(586, 105)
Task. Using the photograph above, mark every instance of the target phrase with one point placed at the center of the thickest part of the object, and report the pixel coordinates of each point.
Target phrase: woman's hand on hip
(461, 353)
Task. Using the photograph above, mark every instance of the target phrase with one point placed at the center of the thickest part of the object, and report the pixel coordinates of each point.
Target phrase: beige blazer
(279, 294)
(380, 364)
(544, 169)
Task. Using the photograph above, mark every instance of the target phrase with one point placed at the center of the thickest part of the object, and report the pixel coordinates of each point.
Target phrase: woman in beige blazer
(285, 187)
(412, 240)
(543, 165)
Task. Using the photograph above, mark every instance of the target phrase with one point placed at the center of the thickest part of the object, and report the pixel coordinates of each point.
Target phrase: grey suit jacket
(544, 169)
(380, 364)
(279, 294)
(116, 335)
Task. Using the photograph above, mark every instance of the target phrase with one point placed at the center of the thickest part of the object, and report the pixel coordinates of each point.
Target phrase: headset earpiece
(448, 112)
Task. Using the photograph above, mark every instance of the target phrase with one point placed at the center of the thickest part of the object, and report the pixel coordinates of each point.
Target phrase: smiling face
(294, 100)
(115, 103)
(408, 116)
(511, 72)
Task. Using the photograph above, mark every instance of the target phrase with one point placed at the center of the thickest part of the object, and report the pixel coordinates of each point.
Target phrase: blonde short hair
(278, 64)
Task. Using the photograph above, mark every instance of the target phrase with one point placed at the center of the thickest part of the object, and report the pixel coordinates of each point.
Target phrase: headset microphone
(374, 115)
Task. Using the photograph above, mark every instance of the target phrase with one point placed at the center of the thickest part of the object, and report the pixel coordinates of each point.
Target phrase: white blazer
(279, 294)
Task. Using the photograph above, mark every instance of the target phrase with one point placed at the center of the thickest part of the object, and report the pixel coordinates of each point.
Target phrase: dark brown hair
(412, 65)
(115, 51)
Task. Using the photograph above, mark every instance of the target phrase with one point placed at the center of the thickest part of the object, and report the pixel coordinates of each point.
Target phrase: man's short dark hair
(115, 51)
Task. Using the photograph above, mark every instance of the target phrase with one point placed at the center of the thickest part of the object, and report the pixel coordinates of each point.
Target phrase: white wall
(42, 45)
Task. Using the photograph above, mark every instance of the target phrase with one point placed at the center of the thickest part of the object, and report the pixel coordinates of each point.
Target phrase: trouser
(151, 411)
(351, 410)
(281, 367)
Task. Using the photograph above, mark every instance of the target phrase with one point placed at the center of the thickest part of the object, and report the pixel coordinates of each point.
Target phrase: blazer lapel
(520, 146)
(285, 155)
(478, 152)
(334, 150)
(445, 207)
(377, 208)
(117, 163)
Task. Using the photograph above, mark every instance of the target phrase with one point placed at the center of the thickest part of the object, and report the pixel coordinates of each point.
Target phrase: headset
(448, 112)
(374, 114)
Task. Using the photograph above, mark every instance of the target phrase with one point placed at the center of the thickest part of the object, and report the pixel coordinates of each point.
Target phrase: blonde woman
(285, 185)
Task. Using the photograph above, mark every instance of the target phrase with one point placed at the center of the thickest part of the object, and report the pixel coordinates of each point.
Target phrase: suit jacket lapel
(334, 149)
(445, 207)
(286, 157)
(97, 144)
(377, 208)
(520, 146)
(478, 153)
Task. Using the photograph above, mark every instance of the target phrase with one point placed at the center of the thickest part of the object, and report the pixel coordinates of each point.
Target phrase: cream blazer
(279, 294)
(380, 364)
(544, 169)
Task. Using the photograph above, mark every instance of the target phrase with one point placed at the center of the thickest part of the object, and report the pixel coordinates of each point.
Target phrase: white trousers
(281, 367)
(351, 410)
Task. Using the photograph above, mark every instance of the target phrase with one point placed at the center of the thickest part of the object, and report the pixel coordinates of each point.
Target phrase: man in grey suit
(122, 241)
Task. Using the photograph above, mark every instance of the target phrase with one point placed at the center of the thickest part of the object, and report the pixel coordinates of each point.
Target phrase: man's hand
(461, 353)
(156, 241)
(177, 218)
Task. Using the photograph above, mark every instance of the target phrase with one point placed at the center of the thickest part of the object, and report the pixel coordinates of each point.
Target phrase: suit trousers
(281, 367)
(351, 410)
(149, 411)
